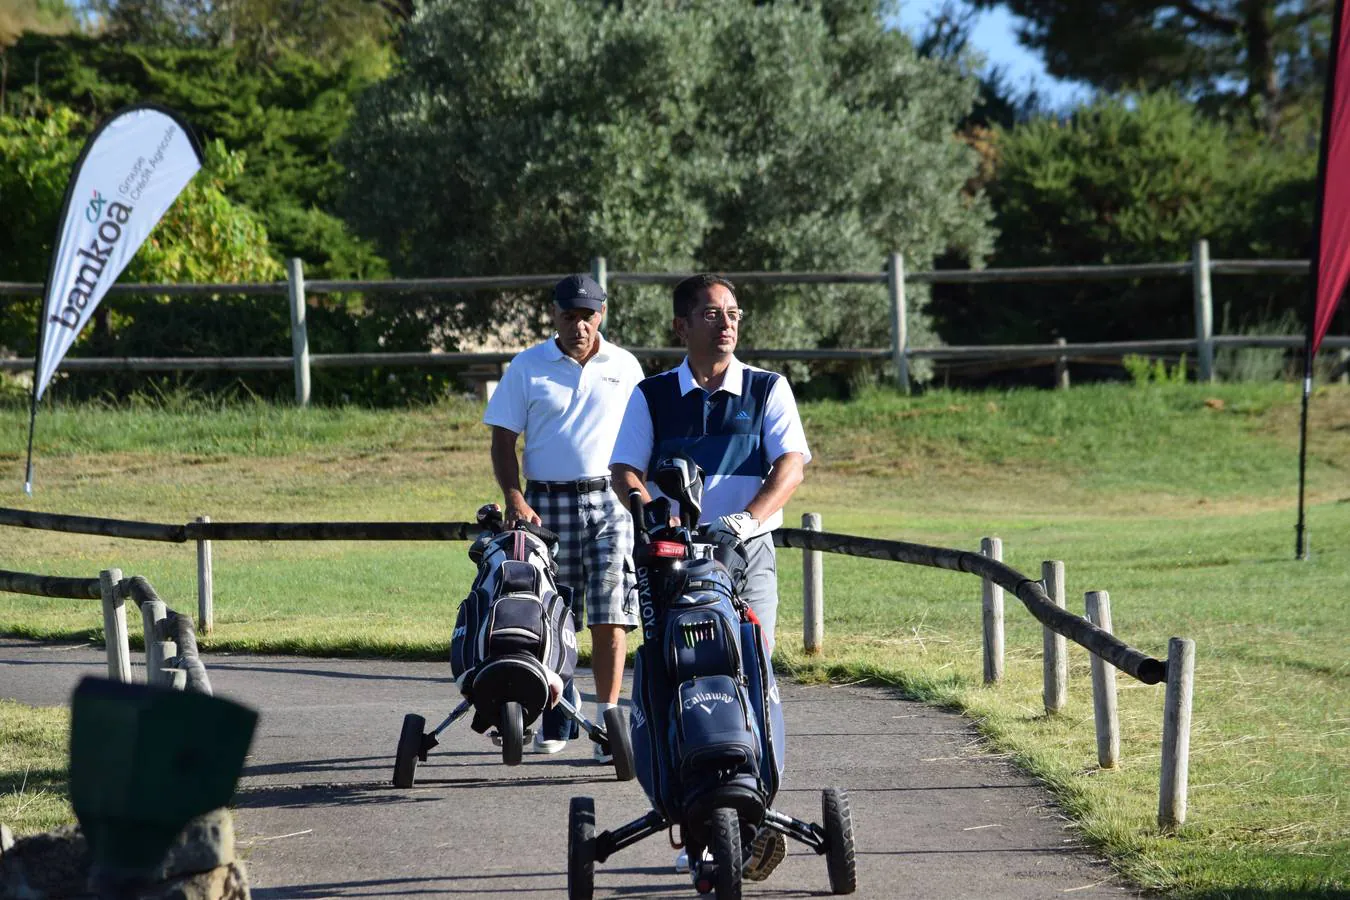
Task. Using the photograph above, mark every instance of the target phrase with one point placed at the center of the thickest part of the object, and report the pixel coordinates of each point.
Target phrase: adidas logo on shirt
(742, 415)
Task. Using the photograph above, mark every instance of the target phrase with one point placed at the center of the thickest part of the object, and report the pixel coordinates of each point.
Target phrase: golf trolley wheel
(620, 744)
(839, 857)
(512, 730)
(581, 849)
(724, 840)
(409, 749)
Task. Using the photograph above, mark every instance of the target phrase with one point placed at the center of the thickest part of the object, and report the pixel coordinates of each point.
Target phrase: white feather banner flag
(128, 175)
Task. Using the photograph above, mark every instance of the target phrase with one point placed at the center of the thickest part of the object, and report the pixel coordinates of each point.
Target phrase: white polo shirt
(568, 412)
(723, 493)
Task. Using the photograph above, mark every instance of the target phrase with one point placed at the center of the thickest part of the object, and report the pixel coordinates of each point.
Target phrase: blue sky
(995, 35)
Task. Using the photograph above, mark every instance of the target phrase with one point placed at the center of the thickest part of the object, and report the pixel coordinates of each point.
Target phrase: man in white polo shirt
(567, 396)
(740, 424)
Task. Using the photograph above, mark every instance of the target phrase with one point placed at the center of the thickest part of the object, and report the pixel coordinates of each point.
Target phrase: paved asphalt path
(317, 817)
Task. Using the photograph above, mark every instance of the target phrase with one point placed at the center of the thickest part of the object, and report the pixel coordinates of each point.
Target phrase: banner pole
(1300, 534)
(32, 421)
(1315, 266)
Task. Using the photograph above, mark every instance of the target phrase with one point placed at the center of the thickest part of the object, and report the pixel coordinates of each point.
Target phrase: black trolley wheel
(839, 857)
(620, 744)
(724, 840)
(409, 749)
(581, 849)
(512, 729)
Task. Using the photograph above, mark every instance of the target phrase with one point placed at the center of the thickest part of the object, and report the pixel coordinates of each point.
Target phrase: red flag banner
(1333, 246)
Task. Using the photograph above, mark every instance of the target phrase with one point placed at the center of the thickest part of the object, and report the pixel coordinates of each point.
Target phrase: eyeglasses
(712, 314)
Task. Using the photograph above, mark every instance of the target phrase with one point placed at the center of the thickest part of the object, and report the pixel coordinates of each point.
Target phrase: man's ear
(680, 325)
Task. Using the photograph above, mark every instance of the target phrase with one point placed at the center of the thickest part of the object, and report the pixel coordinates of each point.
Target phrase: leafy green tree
(261, 29)
(283, 118)
(203, 237)
(530, 135)
(1134, 180)
(1268, 52)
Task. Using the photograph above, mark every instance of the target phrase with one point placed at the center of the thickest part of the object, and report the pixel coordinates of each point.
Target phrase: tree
(260, 29)
(202, 237)
(1269, 52)
(1134, 180)
(699, 135)
(283, 118)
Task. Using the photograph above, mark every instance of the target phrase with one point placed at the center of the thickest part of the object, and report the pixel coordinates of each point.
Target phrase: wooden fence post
(1176, 744)
(813, 591)
(1343, 363)
(991, 596)
(295, 278)
(152, 613)
(206, 614)
(115, 626)
(1061, 368)
(895, 286)
(1204, 311)
(1054, 646)
(600, 272)
(1104, 712)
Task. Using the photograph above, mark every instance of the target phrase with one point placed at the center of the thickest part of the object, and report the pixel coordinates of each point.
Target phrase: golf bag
(707, 723)
(514, 634)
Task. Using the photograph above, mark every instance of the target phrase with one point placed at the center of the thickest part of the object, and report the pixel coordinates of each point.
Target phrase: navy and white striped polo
(734, 433)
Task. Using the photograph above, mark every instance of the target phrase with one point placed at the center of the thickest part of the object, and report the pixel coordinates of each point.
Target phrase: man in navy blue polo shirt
(738, 422)
(741, 425)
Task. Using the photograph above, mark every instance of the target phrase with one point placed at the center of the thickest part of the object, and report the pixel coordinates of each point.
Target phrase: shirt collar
(731, 382)
(555, 352)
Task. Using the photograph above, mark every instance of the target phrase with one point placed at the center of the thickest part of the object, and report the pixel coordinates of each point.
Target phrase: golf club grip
(635, 509)
(538, 531)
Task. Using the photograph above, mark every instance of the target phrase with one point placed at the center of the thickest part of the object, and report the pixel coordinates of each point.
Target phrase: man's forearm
(625, 480)
(505, 465)
(778, 488)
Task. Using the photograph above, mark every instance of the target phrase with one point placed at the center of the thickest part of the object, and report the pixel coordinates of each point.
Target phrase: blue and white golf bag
(514, 634)
(707, 722)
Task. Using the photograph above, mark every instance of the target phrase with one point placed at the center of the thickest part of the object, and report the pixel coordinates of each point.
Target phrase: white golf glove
(739, 526)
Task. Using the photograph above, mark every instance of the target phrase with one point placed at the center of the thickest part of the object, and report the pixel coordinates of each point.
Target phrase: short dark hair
(687, 291)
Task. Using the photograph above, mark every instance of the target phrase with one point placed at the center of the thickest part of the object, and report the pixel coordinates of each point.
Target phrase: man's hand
(517, 510)
(739, 526)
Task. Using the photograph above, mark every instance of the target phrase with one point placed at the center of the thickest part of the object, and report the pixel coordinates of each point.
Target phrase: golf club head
(656, 515)
(681, 479)
(489, 515)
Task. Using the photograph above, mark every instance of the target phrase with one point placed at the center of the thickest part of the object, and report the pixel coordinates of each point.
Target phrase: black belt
(580, 486)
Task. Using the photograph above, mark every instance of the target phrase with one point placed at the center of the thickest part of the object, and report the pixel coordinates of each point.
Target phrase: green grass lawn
(1177, 499)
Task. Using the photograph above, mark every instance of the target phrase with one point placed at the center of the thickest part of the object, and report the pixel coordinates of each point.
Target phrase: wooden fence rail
(894, 278)
(164, 628)
(168, 634)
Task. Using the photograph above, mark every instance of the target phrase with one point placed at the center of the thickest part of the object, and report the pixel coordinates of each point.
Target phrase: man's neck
(590, 354)
(710, 373)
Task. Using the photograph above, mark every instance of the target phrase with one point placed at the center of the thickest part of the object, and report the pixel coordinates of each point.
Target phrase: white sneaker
(542, 745)
(682, 862)
(601, 755)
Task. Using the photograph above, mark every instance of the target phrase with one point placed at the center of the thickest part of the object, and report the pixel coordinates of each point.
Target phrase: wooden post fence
(813, 591)
(1061, 367)
(1054, 648)
(1104, 713)
(156, 650)
(895, 287)
(991, 596)
(1176, 743)
(295, 279)
(115, 639)
(206, 614)
(1204, 311)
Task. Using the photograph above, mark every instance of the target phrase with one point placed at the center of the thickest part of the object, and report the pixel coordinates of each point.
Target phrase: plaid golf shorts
(595, 550)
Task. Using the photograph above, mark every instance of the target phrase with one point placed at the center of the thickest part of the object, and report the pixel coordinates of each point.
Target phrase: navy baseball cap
(579, 292)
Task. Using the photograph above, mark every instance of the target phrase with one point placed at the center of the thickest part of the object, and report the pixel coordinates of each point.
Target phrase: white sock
(600, 708)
